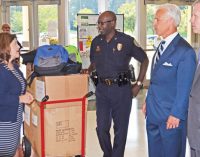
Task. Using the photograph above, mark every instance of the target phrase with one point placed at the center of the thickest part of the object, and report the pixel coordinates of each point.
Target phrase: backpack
(50, 59)
(53, 60)
(74, 54)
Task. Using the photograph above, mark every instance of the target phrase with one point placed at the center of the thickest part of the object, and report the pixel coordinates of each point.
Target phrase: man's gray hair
(173, 11)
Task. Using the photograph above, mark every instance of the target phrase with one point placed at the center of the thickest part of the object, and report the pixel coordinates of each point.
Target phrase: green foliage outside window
(128, 9)
(46, 14)
(49, 13)
(16, 19)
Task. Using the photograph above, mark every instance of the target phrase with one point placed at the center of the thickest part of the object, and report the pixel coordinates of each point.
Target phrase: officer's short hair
(113, 15)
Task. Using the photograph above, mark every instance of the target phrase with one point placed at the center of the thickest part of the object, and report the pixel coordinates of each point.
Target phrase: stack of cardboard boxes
(62, 121)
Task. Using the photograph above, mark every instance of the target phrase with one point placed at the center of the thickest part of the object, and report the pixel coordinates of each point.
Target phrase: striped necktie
(159, 50)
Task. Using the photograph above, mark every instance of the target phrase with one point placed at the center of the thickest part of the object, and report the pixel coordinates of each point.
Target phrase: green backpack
(73, 53)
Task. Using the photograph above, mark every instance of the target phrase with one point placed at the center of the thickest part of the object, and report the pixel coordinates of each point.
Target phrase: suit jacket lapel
(168, 51)
(152, 65)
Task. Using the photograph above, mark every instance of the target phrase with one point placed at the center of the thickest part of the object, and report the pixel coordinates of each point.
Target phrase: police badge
(119, 46)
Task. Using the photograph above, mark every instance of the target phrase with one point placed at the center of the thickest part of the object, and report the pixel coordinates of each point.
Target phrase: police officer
(110, 54)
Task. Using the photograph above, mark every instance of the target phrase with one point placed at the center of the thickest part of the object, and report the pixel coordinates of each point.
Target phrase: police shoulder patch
(136, 43)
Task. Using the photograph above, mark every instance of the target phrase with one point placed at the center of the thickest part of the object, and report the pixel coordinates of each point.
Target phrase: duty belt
(108, 81)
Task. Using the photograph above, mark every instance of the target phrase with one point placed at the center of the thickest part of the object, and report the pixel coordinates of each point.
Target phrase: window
(19, 25)
(126, 7)
(48, 24)
(79, 6)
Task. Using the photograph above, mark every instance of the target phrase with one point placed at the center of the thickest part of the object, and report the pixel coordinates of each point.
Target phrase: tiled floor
(136, 141)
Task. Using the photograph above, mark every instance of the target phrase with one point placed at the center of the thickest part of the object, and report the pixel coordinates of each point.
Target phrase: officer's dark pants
(164, 142)
(113, 102)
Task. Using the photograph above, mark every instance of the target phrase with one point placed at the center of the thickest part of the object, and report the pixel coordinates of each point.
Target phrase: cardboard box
(63, 128)
(59, 87)
(32, 130)
(62, 121)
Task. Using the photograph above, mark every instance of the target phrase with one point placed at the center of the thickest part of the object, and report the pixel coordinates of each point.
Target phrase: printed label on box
(34, 119)
(40, 90)
(27, 112)
(64, 132)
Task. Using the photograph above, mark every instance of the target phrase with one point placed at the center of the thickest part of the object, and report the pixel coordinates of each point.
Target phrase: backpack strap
(31, 77)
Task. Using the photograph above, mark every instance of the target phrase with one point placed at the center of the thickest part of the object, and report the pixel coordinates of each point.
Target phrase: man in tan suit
(194, 100)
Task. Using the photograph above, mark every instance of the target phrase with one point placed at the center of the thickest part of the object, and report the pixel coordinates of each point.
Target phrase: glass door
(48, 24)
(19, 22)
(17, 15)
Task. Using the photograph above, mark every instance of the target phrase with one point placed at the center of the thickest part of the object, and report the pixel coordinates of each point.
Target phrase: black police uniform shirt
(112, 58)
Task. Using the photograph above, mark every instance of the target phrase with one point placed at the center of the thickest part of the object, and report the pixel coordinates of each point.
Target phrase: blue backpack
(50, 59)
(53, 60)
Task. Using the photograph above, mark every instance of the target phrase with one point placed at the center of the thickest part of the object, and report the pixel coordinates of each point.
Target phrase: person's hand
(172, 122)
(27, 98)
(84, 71)
(144, 109)
(135, 90)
